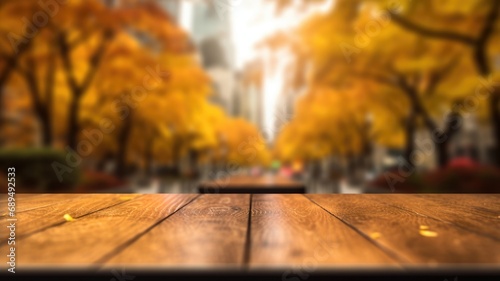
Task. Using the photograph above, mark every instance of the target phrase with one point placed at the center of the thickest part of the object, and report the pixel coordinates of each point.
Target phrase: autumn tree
(470, 24)
(129, 65)
(14, 40)
(355, 43)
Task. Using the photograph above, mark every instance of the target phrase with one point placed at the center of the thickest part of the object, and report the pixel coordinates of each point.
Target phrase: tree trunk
(442, 155)
(78, 89)
(123, 139)
(4, 76)
(148, 156)
(442, 142)
(49, 106)
(481, 61)
(452, 123)
(73, 125)
(444, 136)
(176, 155)
(479, 46)
(46, 128)
(495, 119)
(9, 67)
(410, 127)
(41, 110)
(351, 169)
(193, 162)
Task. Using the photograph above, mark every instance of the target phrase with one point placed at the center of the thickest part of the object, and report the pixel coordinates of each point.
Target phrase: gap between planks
(101, 262)
(429, 214)
(248, 238)
(386, 250)
(399, 230)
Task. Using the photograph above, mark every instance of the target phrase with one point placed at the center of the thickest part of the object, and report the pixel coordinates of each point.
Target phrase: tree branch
(489, 24)
(30, 77)
(377, 77)
(12, 61)
(412, 94)
(439, 75)
(65, 48)
(49, 85)
(68, 66)
(480, 52)
(442, 34)
(95, 60)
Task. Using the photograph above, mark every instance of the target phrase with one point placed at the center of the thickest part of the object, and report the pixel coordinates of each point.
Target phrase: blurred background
(345, 96)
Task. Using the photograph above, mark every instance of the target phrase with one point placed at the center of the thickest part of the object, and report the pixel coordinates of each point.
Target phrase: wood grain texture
(289, 230)
(485, 205)
(211, 231)
(275, 231)
(4, 196)
(86, 240)
(37, 219)
(466, 217)
(26, 202)
(399, 233)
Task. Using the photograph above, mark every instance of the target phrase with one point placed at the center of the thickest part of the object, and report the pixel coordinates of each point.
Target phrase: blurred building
(211, 34)
(248, 96)
(210, 31)
(173, 7)
(238, 91)
(285, 107)
(474, 141)
(289, 70)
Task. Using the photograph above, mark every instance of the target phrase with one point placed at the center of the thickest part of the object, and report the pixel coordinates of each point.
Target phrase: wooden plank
(211, 231)
(486, 205)
(248, 184)
(26, 202)
(37, 219)
(86, 240)
(462, 216)
(289, 230)
(398, 231)
(3, 196)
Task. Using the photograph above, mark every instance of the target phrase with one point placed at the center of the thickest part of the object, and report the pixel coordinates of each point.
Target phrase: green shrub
(33, 169)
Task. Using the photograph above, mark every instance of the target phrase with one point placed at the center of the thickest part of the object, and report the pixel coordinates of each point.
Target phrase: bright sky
(251, 22)
(254, 20)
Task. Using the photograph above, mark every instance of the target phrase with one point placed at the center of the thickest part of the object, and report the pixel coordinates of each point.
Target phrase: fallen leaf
(428, 233)
(67, 217)
(375, 235)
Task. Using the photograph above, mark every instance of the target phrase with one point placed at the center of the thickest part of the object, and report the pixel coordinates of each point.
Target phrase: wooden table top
(252, 185)
(334, 232)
